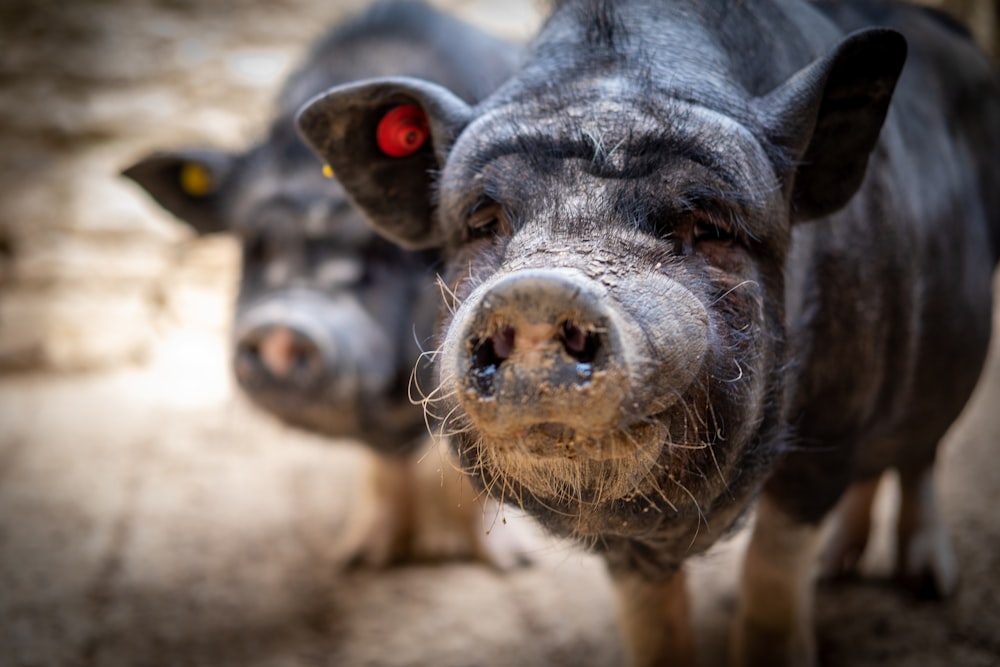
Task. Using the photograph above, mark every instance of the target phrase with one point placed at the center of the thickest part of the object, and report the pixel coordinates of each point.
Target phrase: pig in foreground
(696, 254)
(331, 318)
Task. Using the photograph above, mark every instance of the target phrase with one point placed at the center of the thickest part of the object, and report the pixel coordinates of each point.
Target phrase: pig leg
(455, 521)
(774, 622)
(390, 524)
(423, 509)
(925, 557)
(655, 619)
(852, 525)
(499, 543)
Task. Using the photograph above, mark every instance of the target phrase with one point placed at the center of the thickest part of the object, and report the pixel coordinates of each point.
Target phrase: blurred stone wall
(93, 274)
(88, 86)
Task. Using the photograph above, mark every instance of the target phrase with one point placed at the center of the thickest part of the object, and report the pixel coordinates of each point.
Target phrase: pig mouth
(552, 460)
(560, 440)
(630, 482)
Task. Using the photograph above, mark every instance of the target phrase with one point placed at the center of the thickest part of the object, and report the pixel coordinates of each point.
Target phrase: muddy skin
(687, 261)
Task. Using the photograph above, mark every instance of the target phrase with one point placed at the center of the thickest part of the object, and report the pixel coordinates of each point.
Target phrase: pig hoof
(841, 555)
(928, 567)
(482, 533)
(383, 543)
(925, 561)
(502, 544)
(758, 646)
(451, 520)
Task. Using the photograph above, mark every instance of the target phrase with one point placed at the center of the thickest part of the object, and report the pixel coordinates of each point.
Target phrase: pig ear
(186, 183)
(385, 140)
(828, 116)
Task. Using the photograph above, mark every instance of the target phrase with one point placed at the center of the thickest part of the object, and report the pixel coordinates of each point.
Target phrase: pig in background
(331, 319)
(688, 265)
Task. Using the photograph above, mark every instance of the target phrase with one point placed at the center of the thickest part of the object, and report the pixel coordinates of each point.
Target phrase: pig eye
(486, 220)
(707, 229)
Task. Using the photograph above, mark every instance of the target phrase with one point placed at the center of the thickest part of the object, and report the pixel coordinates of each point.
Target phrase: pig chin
(556, 461)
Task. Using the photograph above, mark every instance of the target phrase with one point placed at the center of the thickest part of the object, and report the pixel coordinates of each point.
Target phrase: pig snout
(551, 360)
(275, 353)
(326, 362)
(311, 345)
(540, 349)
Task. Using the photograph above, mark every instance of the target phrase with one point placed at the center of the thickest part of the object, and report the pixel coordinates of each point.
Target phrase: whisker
(731, 290)
(701, 515)
(738, 377)
(448, 296)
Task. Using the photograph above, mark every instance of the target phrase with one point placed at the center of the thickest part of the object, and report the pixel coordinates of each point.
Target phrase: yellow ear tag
(328, 171)
(196, 180)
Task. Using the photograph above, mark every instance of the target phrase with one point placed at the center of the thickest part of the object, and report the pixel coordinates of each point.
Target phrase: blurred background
(93, 275)
(148, 515)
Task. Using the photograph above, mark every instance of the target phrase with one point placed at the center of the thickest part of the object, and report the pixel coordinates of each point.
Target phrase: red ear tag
(402, 131)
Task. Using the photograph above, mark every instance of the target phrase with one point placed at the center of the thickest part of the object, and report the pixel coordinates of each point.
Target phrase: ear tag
(196, 180)
(327, 171)
(402, 131)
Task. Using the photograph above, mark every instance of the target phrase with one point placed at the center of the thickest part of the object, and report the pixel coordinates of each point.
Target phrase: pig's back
(946, 106)
(889, 301)
(401, 38)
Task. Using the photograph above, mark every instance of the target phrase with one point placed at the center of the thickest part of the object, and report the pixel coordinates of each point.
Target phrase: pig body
(331, 319)
(694, 253)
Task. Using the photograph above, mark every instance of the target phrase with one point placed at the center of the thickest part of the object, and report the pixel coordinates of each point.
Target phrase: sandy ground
(150, 517)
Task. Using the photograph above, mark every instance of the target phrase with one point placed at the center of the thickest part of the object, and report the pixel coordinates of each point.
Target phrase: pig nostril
(487, 355)
(573, 337)
(276, 355)
(503, 343)
(298, 363)
(483, 355)
(249, 352)
(301, 355)
(248, 366)
(579, 343)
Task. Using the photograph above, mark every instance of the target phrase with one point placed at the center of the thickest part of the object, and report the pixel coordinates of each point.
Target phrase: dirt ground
(150, 517)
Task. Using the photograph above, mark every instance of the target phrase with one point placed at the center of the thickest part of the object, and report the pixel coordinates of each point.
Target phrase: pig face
(615, 336)
(329, 319)
(612, 355)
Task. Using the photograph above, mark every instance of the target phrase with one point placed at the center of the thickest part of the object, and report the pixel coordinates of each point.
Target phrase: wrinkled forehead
(618, 136)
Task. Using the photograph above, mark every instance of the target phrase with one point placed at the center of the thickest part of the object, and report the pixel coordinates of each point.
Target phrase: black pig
(331, 318)
(695, 253)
